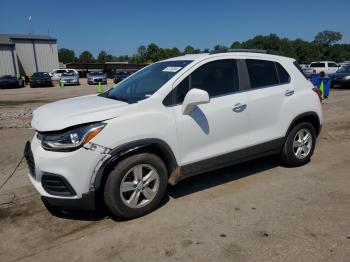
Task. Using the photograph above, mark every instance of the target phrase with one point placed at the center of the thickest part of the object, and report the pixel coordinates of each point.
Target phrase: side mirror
(193, 98)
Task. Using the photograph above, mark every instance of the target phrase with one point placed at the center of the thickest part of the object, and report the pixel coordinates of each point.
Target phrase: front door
(212, 133)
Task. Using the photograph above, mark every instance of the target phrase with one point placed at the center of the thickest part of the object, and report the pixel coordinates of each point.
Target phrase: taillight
(318, 92)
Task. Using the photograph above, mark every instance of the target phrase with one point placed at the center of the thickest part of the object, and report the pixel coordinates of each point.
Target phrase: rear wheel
(136, 186)
(299, 145)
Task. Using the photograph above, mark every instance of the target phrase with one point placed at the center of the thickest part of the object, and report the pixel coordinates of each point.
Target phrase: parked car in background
(171, 120)
(10, 81)
(40, 79)
(56, 73)
(120, 76)
(306, 69)
(342, 77)
(327, 67)
(97, 77)
(69, 78)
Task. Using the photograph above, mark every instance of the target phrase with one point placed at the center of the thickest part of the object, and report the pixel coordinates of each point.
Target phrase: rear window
(262, 73)
(318, 65)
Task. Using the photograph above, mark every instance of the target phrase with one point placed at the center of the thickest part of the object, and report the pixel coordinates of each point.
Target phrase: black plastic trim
(45, 179)
(124, 149)
(306, 114)
(86, 202)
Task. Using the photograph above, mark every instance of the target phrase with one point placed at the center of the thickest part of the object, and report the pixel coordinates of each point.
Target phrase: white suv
(171, 120)
(326, 67)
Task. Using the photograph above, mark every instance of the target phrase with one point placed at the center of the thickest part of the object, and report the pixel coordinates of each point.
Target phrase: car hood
(97, 76)
(339, 75)
(69, 77)
(40, 78)
(75, 111)
(8, 79)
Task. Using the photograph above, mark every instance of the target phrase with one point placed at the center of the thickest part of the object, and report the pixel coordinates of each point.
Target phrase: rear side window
(332, 65)
(262, 73)
(283, 75)
(318, 65)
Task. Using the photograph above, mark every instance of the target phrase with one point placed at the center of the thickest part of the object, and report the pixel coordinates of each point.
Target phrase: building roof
(7, 38)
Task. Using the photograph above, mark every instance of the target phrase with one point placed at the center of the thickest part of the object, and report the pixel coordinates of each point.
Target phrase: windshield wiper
(123, 99)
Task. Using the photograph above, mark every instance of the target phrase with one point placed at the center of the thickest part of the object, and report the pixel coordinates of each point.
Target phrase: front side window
(262, 73)
(217, 78)
(147, 81)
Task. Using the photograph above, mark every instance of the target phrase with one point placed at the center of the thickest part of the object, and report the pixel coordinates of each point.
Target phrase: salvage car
(69, 78)
(10, 81)
(342, 77)
(57, 73)
(97, 77)
(171, 120)
(40, 79)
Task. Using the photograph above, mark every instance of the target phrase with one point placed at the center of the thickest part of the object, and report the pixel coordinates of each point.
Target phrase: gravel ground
(256, 211)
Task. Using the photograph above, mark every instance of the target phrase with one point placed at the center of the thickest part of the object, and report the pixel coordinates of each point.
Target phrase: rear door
(270, 87)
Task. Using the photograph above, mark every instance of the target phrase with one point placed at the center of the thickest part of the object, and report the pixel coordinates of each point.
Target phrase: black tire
(112, 195)
(287, 154)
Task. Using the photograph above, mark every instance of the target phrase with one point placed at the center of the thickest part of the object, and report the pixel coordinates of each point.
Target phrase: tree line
(325, 46)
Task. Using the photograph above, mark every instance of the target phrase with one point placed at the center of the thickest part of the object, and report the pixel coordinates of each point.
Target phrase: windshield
(40, 74)
(344, 69)
(147, 81)
(68, 74)
(96, 73)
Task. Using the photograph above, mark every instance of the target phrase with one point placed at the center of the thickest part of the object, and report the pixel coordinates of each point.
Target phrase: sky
(119, 27)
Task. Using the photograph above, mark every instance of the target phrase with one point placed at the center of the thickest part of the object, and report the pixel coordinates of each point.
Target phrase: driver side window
(217, 78)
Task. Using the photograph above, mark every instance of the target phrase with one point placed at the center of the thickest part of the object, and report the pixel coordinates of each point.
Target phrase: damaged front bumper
(66, 179)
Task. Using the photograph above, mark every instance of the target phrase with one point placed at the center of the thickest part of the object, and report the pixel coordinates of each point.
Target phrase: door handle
(239, 107)
(289, 92)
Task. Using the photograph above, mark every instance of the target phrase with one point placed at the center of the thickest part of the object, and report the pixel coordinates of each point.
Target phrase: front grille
(28, 154)
(56, 185)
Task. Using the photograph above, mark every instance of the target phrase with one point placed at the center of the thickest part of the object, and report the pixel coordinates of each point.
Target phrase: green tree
(104, 57)
(189, 50)
(328, 38)
(66, 55)
(152, 53)
(86, 57)
(236, 45)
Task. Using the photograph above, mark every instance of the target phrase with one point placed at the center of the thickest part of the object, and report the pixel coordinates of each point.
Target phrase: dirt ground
(256, 211)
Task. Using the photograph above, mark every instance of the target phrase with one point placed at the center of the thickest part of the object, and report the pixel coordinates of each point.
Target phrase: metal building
(27, 54)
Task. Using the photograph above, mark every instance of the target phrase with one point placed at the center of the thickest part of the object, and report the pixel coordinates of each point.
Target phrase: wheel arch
(311, 117)
(150, 145)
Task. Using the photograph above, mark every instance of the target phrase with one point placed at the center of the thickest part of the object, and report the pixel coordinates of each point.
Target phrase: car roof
(238, 55)
(323, 62)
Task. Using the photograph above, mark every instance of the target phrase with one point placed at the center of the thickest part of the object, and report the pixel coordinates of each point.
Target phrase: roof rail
(230, 50)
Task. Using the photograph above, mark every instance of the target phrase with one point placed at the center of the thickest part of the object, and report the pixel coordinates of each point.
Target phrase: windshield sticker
(172, 69)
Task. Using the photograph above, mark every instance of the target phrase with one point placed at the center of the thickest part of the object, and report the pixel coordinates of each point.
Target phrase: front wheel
(299, 145)
(136, 186)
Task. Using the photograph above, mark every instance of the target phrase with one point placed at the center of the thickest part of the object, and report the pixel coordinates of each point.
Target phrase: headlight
(71, 139)
(347, 77)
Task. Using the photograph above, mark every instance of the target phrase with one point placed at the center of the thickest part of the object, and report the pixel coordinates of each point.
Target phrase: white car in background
(327, 67)
(57, 73)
